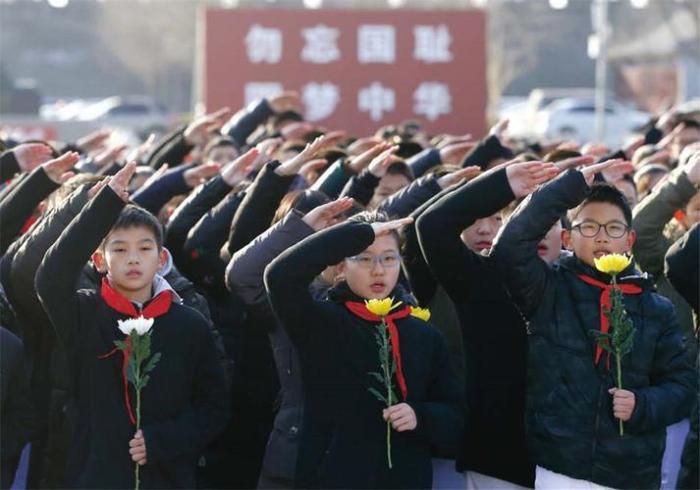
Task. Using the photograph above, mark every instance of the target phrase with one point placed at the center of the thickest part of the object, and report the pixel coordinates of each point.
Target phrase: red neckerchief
(360, 309)
(156, 307)
(605, 303)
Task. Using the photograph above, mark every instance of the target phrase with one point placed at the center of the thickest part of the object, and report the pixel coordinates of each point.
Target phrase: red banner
(355, 70)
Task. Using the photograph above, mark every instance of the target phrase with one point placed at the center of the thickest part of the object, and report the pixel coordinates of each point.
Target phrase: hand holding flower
(137, 448)
(401, 416)
(623, 403)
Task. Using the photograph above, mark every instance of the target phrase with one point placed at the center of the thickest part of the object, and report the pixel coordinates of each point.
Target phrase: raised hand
(327, 214)
(379, 165)
(454, 154)
(156, 175)
(384, 228)
(236, 171)
(309, 171)
(526, 176)
(30, 155)
(692, 168)
(119, 182)
(617, 171)
(454, 178)
(285, 101)
(293, 165)
(296, 130)
(499, 129)
(58, 168)
(590, 171)
(452, 140)
(574, 162)
(200, 174)
(198, 131)
(362, 161)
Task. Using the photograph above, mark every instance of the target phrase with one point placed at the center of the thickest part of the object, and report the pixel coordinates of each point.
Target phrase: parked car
(140, 114)
(574, 119)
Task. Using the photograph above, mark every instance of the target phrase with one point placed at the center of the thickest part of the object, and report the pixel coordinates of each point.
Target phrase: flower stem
(619, 386)
(137, 485)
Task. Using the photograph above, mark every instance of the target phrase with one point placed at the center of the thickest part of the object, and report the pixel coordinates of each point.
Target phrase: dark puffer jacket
(570, 425)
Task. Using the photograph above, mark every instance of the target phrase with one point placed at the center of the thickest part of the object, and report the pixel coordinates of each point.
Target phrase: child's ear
(566, 239)
(631, 238)
(98, 259)
(162, 258)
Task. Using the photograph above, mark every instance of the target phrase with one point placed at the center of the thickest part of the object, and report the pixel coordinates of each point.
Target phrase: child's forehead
(131, 233)
(601, 212)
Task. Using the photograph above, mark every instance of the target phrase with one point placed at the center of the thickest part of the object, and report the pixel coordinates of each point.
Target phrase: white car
(137, 113)
(574, 119)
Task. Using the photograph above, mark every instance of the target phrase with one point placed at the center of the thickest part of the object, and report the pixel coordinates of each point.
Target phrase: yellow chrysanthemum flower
(422, 313)
(381, 307)
(612, 264)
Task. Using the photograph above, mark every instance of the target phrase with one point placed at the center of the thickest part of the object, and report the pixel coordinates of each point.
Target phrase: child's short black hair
(603, 193)
(133, 217)
(218, 142)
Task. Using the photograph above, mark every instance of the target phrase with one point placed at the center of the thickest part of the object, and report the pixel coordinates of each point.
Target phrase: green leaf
(144, 381)
(152, 362)
(120, 344)
(378, 396)
(377, 376)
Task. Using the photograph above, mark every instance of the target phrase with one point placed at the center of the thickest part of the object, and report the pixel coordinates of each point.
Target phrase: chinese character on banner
(320, 100)
(259, 90)
(264, 45)
(320, 44)
(432, 44)
(376, 44)
(376, 99)
(432, 99)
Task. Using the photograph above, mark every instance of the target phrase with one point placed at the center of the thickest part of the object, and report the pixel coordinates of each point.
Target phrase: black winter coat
(571, 429)
(184, 404)
(343, 439)
(493, 330)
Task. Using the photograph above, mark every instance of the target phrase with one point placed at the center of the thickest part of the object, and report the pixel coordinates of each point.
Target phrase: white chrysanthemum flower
(141, 325)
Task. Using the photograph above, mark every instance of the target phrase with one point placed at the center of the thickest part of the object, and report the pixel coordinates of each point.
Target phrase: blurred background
(68, 66)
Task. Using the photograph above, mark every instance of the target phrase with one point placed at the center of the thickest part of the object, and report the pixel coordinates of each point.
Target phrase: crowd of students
(256, 240)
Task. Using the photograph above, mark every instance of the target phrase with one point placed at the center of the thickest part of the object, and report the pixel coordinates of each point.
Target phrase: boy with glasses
(573, 406)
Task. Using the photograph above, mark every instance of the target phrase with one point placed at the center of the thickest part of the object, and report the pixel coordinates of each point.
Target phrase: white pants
(549, 480)
(446, 476)
(479, 481)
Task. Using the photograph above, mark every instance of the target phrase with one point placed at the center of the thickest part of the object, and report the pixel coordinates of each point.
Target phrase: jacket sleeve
(525, 273)
(441, 420)
(651, 216)
(26, 261)
(173, 152)
(439, 229)
(189, 432)
(8, 166)
(257, 209)
(187, 214)
(159, 192)
(410, 197)
(361, 187)
(488, 149)
(673, 381)
(151, 159)
(300, 264)
(244, 274)
(245, 121)
(332, 181)
(206, 239)
(682, 268)
(19, 205)
(58, 274)
(424, 161)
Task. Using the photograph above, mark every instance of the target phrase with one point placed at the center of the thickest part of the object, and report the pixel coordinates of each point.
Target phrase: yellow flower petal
(612, 264)
(381, 307)
(422, 313)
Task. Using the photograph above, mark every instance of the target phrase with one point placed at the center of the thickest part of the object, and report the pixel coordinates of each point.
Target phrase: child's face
(591, 215)
(480, 235)
(373, 274)
(131, 258)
